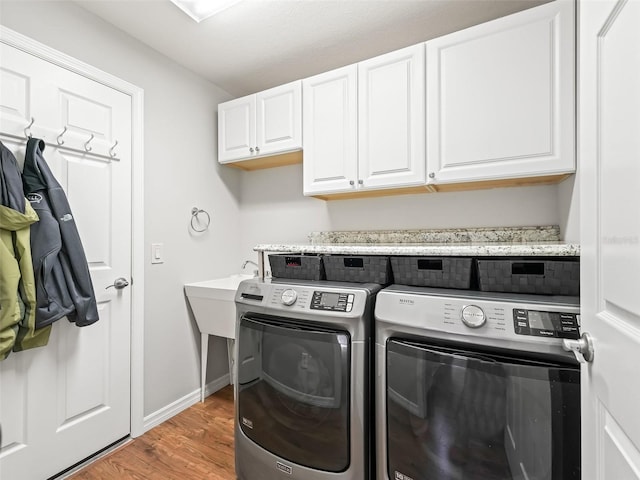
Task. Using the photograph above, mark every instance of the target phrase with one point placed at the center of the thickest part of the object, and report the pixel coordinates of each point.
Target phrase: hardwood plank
(196, 444)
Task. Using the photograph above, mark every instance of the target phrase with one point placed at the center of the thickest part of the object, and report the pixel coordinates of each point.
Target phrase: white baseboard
(165, 413)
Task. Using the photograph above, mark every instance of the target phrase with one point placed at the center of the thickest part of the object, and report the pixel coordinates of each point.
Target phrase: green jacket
(17, 285)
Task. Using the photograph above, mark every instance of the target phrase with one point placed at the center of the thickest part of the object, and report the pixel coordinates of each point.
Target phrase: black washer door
(293, 390)
(455, 414)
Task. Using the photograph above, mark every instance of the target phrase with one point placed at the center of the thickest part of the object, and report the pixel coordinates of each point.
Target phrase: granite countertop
(499, 241)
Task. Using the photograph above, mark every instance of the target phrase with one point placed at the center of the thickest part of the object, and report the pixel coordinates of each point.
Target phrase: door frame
(33, 47)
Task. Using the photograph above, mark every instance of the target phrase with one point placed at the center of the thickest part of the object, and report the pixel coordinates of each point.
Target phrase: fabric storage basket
(297, 267)
(361, 269)
(444, 272)
(546, 277)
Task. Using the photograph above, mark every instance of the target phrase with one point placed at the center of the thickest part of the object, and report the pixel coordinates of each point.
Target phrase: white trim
(165, 413)
(48, 54)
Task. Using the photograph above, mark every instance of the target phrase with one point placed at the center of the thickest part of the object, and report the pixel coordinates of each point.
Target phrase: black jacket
(63, 282)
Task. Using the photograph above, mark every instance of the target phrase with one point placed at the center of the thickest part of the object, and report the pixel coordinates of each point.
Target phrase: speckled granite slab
(550, 233)
(519, 249)
(500, 241)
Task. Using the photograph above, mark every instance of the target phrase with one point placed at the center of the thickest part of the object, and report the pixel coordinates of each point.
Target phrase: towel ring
(195, 211)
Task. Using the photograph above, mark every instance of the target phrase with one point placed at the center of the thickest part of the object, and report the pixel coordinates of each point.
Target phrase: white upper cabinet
(330, 130)
(391, 119)
(237, 129)
(364, 125)
(501, 96)
(262, 124)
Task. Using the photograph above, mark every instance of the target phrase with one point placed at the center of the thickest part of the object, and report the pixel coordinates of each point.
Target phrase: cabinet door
(278, 119)
(391, 117)
(500, 98)
(237, 129)
(330, 131)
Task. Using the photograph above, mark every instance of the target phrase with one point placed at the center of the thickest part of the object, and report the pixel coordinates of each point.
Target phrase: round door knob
(351, 182)
(432, 175)
(360, 182)
(289, 297)
(473, 316)
(119, 283)
(257, 149)
(251, 149)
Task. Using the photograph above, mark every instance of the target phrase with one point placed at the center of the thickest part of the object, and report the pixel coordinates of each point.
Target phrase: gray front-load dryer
(302, 383)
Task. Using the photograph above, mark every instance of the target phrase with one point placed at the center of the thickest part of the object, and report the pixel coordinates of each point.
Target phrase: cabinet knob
(432, 175)
(351, 182)
(251, 149)
(257, 149)
(360, 182)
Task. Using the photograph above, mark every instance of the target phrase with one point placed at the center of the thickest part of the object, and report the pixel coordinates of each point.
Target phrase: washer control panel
(332, 301)
(546, 324)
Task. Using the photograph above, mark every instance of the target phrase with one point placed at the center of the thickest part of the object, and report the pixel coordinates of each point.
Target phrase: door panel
(500, 101)
(330, 126)
(63, 402)
(236, 128)
(278, 119)
(391, 119)
(610, 235)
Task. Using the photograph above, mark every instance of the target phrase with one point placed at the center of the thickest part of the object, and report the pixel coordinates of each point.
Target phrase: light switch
(156, 253)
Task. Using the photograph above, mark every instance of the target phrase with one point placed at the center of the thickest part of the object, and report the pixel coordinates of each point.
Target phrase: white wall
(181, 171)
(273, 209)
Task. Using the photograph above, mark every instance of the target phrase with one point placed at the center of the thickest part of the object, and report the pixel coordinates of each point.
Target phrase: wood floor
(196, 444)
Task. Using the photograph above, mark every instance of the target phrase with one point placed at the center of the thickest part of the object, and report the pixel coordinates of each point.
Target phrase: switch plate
(156, 253)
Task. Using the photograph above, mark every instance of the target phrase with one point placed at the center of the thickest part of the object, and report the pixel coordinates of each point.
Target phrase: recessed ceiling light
(202, 9)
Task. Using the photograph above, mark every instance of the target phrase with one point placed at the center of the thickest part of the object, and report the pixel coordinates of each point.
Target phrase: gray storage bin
(443, 272)
(297, 267)
(361, 269)
(546, 277)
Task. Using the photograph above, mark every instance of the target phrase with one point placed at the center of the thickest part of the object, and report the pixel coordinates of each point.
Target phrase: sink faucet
(244, 265)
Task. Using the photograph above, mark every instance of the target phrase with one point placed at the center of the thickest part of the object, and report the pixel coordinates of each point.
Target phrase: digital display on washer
(546, 324)
(329, 299)
(335, 302)
(543, 320)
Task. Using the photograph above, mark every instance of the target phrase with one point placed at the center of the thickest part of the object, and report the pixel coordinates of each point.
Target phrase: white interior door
(65, 401)
(609, 160)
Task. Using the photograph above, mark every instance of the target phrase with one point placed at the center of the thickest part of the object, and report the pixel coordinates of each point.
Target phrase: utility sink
(212, 302)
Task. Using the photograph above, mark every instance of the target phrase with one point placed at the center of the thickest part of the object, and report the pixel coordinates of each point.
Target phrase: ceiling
(258, 44)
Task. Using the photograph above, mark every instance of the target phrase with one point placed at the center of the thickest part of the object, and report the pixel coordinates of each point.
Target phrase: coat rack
(63, 140)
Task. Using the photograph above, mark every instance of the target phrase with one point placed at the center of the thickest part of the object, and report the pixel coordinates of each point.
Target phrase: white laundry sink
(212, 302)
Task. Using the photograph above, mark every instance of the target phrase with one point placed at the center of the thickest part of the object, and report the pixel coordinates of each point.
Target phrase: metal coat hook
(59, 137)
(28, 127)
(112, 154)
(195, 211)
(86, 144)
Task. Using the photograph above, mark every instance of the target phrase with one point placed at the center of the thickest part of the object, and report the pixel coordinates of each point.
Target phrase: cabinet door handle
(351, 182)
(251, 149)
(432, 175)
(360, 182)
(257, 149)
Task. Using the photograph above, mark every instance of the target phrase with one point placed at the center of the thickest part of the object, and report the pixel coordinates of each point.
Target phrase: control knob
(289, 297)
(473, 316)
